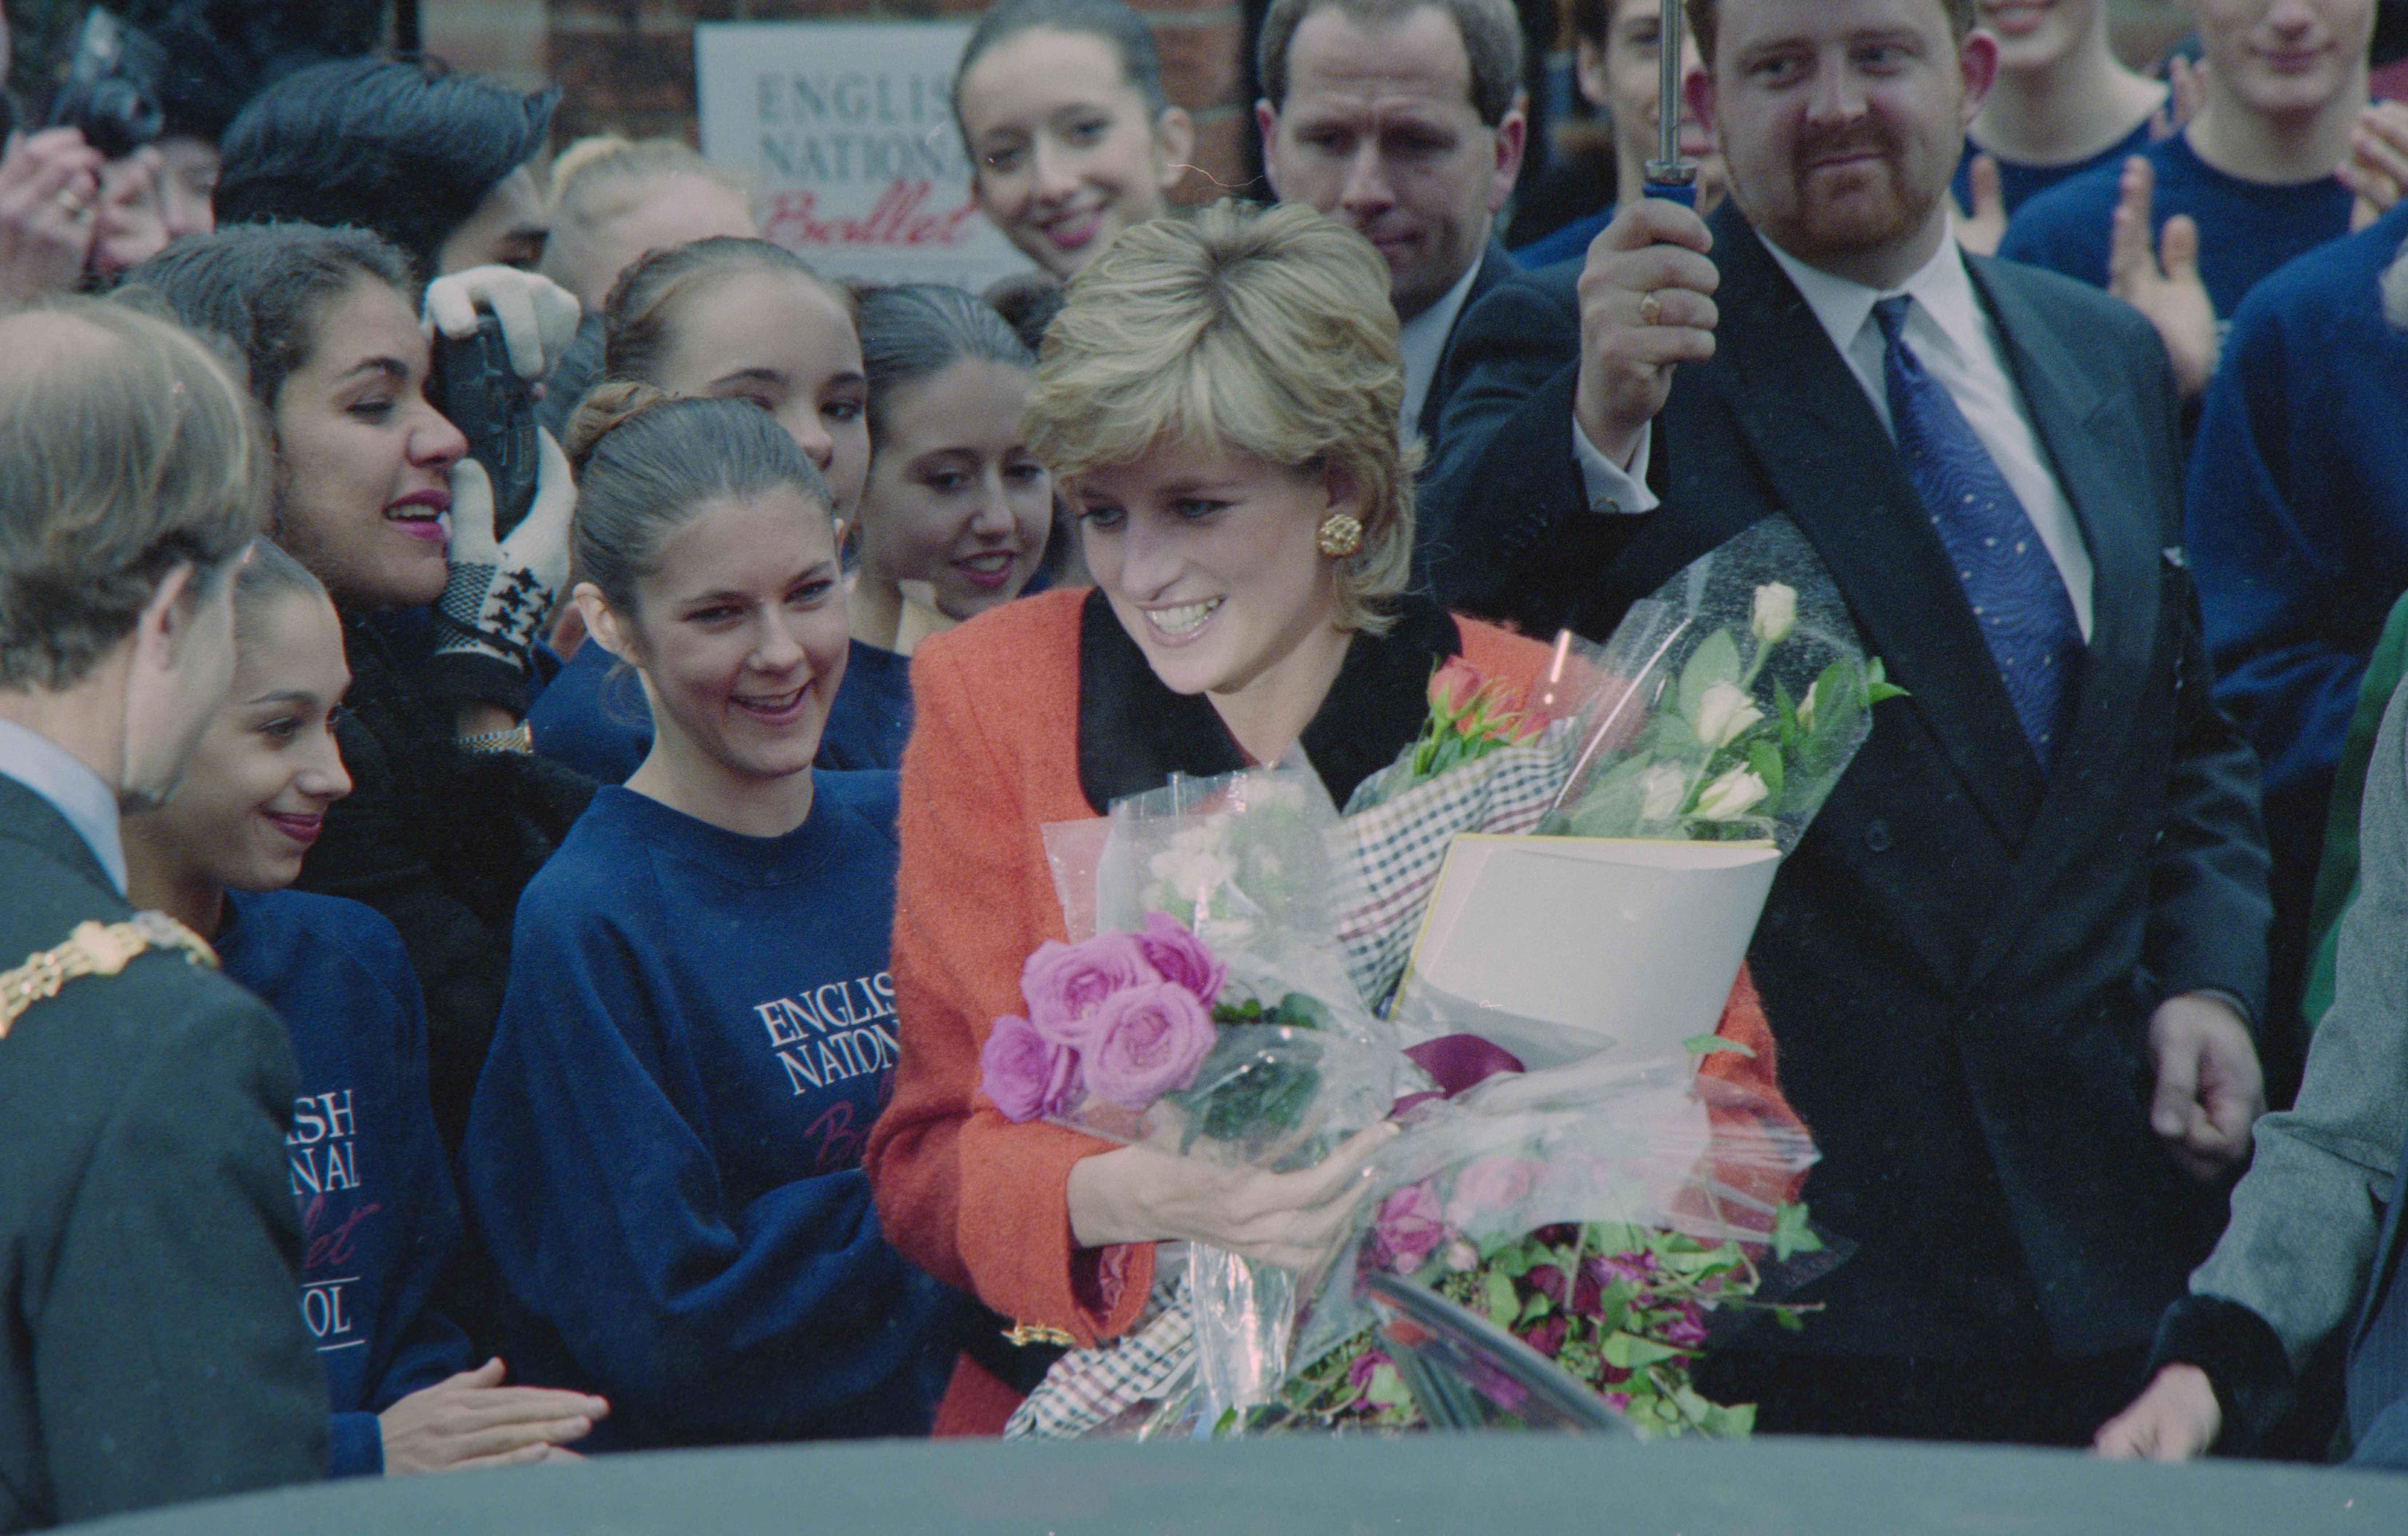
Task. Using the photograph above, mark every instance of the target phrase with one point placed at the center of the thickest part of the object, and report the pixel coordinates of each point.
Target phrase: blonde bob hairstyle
(1265, 330)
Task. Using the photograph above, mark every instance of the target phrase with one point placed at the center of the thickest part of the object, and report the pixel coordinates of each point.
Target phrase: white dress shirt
(1957, 341)
(72, 789)
(1423, 341)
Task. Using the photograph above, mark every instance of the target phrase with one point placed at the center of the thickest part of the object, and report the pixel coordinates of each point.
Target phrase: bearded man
(2014, 967)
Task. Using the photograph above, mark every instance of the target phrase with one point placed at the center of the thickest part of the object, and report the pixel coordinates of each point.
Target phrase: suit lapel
(1495, 265)
(1836, 473)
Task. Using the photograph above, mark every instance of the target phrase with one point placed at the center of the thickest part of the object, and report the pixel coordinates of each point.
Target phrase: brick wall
(628, 64)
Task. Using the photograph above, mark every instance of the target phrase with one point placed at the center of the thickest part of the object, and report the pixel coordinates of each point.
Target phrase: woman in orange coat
(1218, 400)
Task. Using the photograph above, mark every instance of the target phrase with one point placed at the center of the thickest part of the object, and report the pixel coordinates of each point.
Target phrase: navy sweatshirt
(2019, 183)
(378, 1210)
(663, 1155)
(2297, 512)
(593, 716)
(2247, 229)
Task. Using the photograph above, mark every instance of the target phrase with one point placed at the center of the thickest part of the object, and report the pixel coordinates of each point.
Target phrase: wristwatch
(518, 739)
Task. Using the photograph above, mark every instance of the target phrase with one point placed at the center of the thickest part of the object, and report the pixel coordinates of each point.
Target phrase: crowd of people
(508, 956)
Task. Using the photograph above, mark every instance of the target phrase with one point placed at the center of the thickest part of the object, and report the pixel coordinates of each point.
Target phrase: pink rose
(1027, 1074)
(1687, 1330)
(1182, 957)
(1407, 1229)
(1487, 1189)
(1063, 984)
(1147, 1040)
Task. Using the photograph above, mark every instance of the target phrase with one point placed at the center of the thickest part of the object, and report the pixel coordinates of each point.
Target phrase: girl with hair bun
(726, 319)
(664, 1154)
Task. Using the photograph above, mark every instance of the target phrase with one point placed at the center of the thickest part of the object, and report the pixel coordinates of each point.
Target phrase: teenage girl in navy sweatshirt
(664, 1154)
(739, 319)
(379, 1215)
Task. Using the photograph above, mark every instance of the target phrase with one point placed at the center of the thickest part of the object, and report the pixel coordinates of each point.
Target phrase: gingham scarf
(1087, 1388)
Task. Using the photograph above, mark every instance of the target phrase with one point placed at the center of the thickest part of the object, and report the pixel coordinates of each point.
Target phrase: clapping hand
(1646, 304)
(2163, 284)
(2186, 88)
(2377, 166)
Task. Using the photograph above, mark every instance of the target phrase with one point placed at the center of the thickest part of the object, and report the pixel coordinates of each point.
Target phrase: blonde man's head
(1265, 330)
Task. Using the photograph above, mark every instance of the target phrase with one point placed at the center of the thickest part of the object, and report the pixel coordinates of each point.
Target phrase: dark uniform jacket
(152, 1348)
(1961, 960)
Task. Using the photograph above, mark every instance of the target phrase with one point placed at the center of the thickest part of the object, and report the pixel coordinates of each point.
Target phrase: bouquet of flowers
(1613, 1225)
(1613, 916)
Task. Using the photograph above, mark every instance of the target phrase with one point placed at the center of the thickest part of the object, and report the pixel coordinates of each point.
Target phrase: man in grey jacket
(2310, 1249)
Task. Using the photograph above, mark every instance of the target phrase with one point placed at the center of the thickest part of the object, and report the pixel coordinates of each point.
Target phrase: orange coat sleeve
(964, 1193)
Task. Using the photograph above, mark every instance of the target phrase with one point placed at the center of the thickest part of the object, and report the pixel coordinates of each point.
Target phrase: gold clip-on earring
(1339, 536)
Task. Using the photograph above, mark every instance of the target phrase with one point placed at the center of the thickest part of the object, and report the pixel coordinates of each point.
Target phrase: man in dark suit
(1403, 118)
(2012, 967)
(149, 1237)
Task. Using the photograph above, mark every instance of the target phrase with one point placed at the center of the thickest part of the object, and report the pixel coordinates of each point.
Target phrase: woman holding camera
(449, 816)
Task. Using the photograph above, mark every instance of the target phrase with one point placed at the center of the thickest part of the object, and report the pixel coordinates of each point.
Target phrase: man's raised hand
(1646, 304)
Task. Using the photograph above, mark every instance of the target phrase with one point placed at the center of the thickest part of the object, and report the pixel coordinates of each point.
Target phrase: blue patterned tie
(2017, 597)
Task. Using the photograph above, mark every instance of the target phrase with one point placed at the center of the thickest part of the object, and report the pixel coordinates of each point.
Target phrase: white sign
(846, 128)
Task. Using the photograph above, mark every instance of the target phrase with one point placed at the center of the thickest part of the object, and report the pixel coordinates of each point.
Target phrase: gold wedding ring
(1651, 309)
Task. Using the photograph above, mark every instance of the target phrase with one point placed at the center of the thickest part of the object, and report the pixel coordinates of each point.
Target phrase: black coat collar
(1134, 733)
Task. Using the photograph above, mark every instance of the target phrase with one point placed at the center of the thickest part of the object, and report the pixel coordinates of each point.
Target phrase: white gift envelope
(1564, 948)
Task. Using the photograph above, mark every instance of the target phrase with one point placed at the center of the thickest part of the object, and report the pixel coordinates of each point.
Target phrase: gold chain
(94, 949)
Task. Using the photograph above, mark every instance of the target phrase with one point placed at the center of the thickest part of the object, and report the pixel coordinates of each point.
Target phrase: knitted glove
(538, 316)
(501, 591)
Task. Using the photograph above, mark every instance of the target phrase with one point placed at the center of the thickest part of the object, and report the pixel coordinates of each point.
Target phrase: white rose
(1776, 613)
(1659, 793)
(1732, 796)
(1724, 715)
(1806, 712)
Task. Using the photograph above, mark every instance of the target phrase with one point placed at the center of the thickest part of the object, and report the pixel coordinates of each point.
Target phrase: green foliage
(1708, 1045)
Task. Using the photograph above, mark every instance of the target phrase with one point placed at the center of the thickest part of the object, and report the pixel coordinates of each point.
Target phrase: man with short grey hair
(148, 1237)
(1404, 118)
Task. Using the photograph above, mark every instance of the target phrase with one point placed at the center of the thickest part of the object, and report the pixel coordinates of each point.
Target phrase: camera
(479, 392)
(112, 92)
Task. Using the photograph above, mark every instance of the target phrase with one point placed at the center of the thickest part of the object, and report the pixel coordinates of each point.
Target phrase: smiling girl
(439, 838)
(1070, 138)
(665, 1152)
(956, 510)
(376, 1206)
(724, 319)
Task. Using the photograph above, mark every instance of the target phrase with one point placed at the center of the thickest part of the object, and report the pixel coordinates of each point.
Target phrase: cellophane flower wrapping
(1734, 698)
(1613, 1220)
(1246, 864)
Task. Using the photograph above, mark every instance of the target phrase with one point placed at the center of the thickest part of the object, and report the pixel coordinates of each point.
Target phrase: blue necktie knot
(2011, 580)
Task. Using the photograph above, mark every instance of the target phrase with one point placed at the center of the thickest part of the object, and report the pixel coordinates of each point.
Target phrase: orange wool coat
(970, 1197)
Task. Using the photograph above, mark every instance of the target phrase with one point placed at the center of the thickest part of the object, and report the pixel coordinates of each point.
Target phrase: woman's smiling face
(740, 633)
(954, 498)
(255, 790)
(1210, 559)
(364, 462)
(1062, 151)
